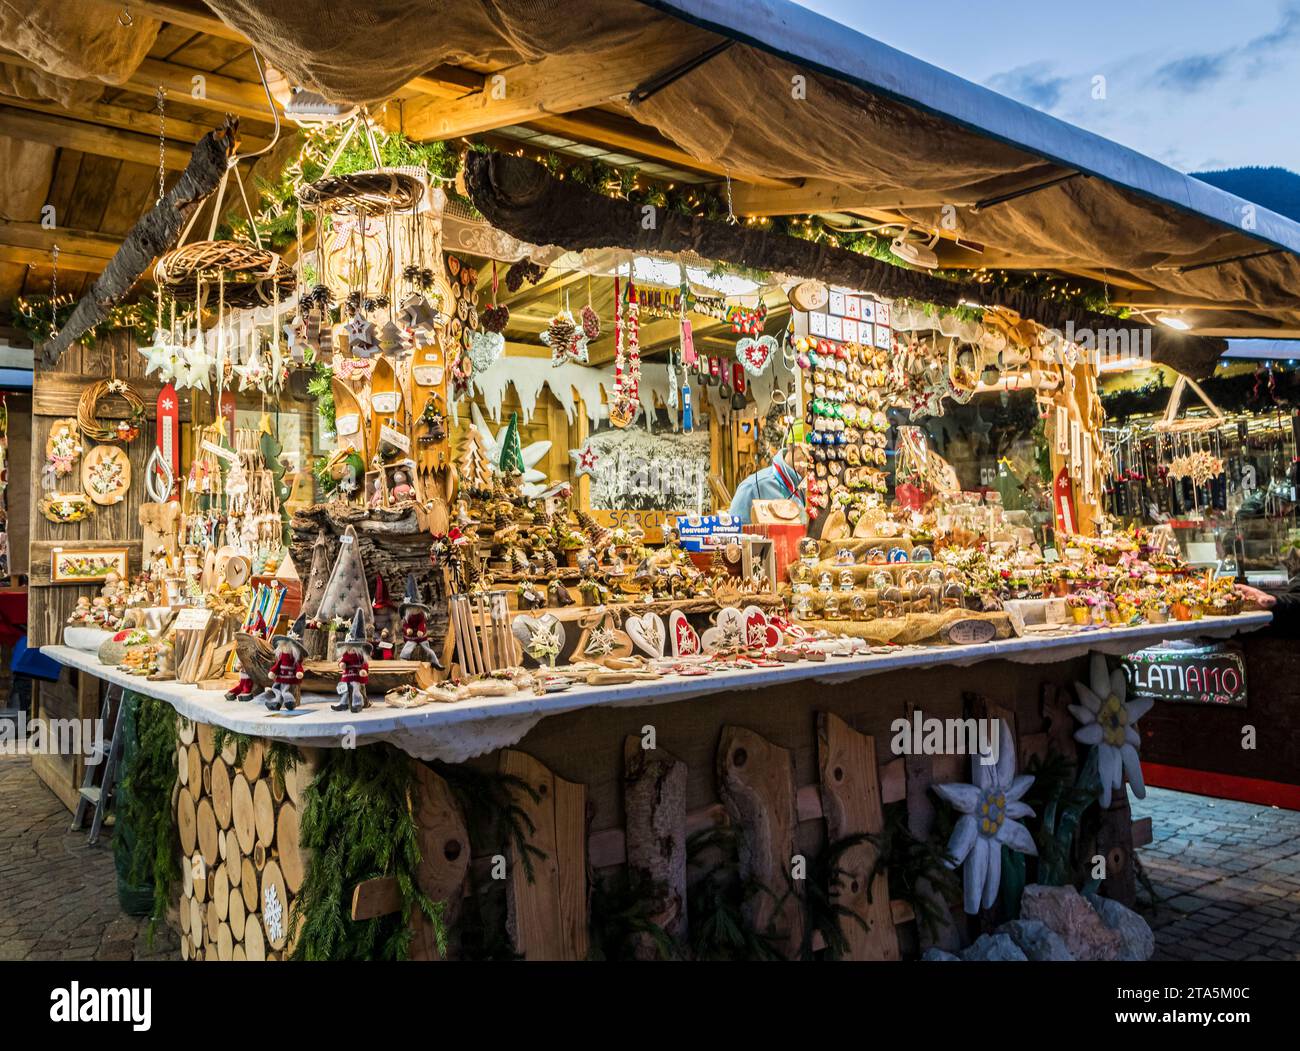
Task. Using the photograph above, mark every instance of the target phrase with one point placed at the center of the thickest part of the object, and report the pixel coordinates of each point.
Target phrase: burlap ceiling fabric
(365, 52)
(738, 111)
(77, 40)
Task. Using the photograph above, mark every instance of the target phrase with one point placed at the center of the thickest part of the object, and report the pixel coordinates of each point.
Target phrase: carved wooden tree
(474, 468)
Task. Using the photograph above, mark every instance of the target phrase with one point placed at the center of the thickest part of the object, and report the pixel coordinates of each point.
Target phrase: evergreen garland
(621, 909)
(718, 928)
(908, 861)
(357, 822)
(146, 794)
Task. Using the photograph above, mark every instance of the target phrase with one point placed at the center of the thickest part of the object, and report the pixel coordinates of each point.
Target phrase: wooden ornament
(683, 637)
(601, 640)
(106, 474)
(647, 633)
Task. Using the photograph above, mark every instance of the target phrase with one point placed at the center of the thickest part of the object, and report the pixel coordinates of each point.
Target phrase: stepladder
(99, 782)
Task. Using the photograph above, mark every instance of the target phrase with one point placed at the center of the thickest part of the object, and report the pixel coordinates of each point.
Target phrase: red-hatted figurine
(354, 667)
(415, 626)
(286, 669)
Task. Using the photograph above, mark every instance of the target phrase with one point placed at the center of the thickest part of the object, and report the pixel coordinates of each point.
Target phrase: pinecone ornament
(590, 324)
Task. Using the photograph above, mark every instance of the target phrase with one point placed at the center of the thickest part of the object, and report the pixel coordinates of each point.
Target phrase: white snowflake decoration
(989, 808)
(273, 913)
(1109, 723)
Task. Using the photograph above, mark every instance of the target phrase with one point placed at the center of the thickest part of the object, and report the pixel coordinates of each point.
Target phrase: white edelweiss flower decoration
(1108, 722)
(989, 809)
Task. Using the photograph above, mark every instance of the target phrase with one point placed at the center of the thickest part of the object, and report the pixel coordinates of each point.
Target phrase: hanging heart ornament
(756, 354)
(485, 348)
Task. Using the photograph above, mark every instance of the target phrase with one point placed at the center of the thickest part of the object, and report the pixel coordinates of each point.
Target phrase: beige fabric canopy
(835, 147)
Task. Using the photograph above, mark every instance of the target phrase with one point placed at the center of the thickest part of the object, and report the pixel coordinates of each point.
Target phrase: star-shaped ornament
(158, 355)
(418, 313)
(585, 460)
(363, 339)
(252, 374)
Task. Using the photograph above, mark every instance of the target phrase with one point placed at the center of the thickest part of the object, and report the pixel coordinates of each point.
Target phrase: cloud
(1193, 72)
(1034, 83)
(1197, 72)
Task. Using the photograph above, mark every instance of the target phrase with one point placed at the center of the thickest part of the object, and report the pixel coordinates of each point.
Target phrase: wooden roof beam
(30, 244)
(144, 122)
(223, 94)
(89, 138)
(622, 134)
(555, 85)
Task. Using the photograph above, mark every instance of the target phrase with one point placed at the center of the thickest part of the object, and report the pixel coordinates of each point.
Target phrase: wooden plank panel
(548, 917)
(850, 793)
(444, 854)
(756, 783)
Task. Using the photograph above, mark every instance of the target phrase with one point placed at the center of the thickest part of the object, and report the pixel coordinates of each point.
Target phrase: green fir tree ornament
(512, 453)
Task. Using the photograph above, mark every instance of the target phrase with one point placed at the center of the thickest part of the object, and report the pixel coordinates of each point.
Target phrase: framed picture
(88, 565)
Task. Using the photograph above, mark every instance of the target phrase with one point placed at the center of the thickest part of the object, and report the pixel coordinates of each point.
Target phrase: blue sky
(1196, 84)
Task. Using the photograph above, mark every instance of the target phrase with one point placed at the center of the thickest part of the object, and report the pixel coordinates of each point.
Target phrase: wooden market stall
(391, 415)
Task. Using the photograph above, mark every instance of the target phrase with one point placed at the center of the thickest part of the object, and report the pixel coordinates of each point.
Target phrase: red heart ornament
(759, 631)
(685, 639)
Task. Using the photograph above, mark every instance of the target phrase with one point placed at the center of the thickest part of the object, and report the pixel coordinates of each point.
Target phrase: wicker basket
(368, 193)
(251, 274)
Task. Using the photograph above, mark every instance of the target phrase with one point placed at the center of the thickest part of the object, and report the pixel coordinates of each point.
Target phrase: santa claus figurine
(415, 626)
(286, 669)
(354, 667)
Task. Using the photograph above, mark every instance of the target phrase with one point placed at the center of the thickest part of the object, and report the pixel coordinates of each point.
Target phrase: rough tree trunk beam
(520, 197)
(156, 232)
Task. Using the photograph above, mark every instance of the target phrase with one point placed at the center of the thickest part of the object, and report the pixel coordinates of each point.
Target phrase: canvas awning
(871, 135)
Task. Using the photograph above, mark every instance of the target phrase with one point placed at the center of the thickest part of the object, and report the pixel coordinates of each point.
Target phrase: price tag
(229, 455)
(394, 438)
(194, 618)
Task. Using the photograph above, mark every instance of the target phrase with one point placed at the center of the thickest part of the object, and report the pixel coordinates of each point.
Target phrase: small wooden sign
(1187, 673)
(969, 632)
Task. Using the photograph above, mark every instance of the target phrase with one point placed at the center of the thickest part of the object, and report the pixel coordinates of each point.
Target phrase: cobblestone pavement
(1226, 876)
(58, 896)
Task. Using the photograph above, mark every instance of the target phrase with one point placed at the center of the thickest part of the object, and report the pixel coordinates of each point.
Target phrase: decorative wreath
(369, 193)
(88, 418)
(252, 276)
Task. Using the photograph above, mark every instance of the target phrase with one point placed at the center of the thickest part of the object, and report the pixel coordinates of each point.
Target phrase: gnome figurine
(415, 626)
(244, 689)
(286, 669)
(354, 667)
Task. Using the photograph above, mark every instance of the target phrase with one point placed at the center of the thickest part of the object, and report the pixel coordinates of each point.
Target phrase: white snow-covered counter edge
(456, 732)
